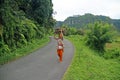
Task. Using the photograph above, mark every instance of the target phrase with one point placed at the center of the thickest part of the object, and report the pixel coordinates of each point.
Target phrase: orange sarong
(60, 54)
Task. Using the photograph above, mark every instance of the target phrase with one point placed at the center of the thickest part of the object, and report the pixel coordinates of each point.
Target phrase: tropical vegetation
(87, 64)
(25, 24)
(23, 21)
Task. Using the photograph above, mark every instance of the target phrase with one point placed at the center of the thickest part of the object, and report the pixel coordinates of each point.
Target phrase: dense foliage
(87, 65)
(100, 33)
(21, 21)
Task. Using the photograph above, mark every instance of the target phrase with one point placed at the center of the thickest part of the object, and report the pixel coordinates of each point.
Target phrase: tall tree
(42, 11)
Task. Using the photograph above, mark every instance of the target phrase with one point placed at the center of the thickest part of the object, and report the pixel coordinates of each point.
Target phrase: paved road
(40, 65)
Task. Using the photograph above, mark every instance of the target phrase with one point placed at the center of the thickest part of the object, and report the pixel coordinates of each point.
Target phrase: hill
(79, 21)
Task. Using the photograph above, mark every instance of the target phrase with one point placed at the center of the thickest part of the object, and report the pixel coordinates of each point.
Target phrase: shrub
(99, 34)
(4, 49)
(112, 54)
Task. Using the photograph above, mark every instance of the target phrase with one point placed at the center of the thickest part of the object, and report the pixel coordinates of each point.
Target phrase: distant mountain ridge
(79, 21)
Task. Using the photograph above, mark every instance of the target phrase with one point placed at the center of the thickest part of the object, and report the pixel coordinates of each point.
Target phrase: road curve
(40, 65)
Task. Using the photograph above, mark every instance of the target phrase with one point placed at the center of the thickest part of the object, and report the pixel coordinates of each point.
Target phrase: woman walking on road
(60, 49)
(60, 45)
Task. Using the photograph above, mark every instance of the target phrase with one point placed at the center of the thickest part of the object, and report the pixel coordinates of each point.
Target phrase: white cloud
(66, 8)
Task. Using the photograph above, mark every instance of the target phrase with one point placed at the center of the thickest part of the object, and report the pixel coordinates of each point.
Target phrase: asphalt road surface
(42, 64)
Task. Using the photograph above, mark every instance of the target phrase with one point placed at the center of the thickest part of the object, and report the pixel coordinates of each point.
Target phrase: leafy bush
(69, 30)
(4, 49)
(112, 54)
(99, 34)
(80, 31)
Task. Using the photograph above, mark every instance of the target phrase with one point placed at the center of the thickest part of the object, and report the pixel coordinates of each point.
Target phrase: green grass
(88, 65)
(24, 50)
(113, 49)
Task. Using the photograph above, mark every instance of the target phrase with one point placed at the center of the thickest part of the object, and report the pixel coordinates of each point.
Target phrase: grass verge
(88, 65)
(24, 50)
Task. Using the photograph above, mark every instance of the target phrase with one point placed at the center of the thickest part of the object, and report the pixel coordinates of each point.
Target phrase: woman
(59, 32)
(60, 49)
(60, 45)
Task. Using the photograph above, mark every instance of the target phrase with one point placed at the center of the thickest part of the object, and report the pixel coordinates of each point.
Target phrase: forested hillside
(21, 21)
(79, 21)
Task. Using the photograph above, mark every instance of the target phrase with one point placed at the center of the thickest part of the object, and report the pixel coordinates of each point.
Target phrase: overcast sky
(66, 8)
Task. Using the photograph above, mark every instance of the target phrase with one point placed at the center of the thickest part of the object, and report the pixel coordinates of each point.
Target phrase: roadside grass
(88, 65)
(113, 49)
(114, 44)
(24, 50)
